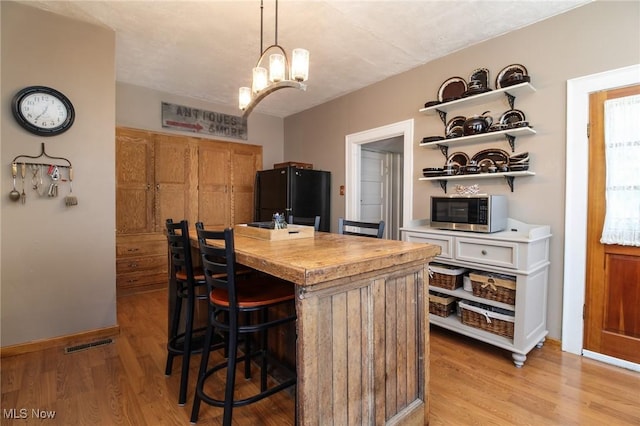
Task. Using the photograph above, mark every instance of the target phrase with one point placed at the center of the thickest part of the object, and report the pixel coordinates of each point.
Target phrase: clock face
(43, 111)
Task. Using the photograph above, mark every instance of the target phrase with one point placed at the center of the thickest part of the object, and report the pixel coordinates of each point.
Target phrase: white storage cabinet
(521, 251)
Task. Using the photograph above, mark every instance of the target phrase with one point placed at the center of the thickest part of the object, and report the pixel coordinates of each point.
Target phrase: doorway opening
(389, 149)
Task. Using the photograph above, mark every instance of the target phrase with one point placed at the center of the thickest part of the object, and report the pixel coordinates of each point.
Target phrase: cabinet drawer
(141, 264)
(445, 242)
(498, 253)
(133, 281)
(141, 248)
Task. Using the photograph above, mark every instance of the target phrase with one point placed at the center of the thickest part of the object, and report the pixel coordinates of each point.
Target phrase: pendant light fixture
(280, 73)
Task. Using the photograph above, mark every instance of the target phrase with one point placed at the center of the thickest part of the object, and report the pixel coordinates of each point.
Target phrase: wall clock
(42, 110)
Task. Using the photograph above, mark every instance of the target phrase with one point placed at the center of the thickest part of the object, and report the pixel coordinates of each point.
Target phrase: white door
(373, 186)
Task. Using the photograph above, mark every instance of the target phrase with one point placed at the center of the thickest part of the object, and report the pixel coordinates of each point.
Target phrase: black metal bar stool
(228, 298)
(185, 279)
(366, 229)
(308, 221)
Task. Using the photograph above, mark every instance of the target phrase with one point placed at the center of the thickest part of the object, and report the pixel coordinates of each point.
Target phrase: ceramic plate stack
(519, 162)
(432, 171)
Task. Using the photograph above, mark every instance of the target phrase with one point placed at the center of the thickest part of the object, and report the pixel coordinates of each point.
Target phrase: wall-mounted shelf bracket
(443, 116)
(443, 185)
(444, 149)
(511, 99)
(512, 142)
(510, 181)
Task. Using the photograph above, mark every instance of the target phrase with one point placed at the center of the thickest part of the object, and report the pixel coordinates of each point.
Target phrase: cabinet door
(134, 181)
(173, 178)
(245, 161)
(214, 188)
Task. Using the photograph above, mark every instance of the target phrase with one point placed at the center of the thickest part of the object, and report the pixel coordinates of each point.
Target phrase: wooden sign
(200, 121)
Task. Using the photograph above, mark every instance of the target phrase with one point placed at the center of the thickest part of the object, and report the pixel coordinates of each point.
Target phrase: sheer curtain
(622, 152)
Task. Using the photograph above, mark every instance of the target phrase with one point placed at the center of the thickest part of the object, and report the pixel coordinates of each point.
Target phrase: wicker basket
(441, 305)
(488, 318)
(445, 276)
(498, 287)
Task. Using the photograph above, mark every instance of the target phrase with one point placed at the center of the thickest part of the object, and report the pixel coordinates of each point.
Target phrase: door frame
(353, 148)
(575, 236)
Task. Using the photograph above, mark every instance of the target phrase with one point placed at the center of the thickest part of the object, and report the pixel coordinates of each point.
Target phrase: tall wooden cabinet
(160, 176)
(227, 175)
(134, 177)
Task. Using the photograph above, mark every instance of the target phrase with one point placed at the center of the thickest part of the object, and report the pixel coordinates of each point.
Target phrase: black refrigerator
(293, 191)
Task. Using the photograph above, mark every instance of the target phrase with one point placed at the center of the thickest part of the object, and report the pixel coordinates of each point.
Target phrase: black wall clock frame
(30, 107)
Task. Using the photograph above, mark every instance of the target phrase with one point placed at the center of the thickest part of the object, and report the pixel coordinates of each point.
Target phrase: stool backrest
(218, 263)
(179, 248)
(309, 221)
(366, 229)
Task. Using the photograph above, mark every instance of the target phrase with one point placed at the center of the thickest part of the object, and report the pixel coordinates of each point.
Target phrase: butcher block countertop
(325, 257)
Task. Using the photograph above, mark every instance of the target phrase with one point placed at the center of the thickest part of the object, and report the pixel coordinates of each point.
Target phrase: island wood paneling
(369, 340)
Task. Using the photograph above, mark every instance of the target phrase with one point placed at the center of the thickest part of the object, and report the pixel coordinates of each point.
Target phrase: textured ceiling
(206, 49)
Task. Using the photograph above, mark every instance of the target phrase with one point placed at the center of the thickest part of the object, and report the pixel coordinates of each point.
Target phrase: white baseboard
(611, 360)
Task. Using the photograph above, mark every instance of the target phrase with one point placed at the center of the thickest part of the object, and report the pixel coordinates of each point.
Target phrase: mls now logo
(23, 413)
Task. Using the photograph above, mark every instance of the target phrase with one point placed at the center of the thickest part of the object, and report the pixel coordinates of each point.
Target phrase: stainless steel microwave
(477, 213)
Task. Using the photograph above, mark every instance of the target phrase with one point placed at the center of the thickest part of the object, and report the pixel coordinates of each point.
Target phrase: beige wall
(57, 264)
(593, 38)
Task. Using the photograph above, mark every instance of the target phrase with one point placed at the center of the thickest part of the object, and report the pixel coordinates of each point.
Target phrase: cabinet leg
(518, 359)
(541, 343)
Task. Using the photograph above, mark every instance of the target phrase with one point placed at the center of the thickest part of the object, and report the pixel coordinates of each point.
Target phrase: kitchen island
(362, 348)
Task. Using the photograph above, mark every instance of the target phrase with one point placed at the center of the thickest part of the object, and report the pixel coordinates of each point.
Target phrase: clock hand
(43, 112)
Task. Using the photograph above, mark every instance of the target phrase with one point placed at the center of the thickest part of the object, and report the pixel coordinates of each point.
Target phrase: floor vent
(85, 346)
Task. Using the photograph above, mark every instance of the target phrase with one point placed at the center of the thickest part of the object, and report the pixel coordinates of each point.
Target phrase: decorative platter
(452, 89)
(512, 74)
(511, 117)
(479, 76)
(457, 159)
(498, 156)
(472, 92)
(454, 122)
(455, 132)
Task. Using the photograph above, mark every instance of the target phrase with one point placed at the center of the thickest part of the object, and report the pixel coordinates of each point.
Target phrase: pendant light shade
(276, 67)
(244, 97)
(300, 65)
(259, 79)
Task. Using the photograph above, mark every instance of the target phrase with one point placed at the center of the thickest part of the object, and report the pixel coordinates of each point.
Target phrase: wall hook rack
(43, 155)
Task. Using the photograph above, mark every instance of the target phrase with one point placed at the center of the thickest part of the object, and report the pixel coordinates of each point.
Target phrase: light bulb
(300, 64)
(276, 67)
(259, 79)
(244, 97)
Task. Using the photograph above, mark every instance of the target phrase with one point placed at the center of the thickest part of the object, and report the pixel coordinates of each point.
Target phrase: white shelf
(479, 176)
(482, 98)
(482, 137)
(463, 294)
(452, 322)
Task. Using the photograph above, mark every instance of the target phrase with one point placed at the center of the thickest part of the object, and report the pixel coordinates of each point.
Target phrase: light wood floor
(471, 383)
